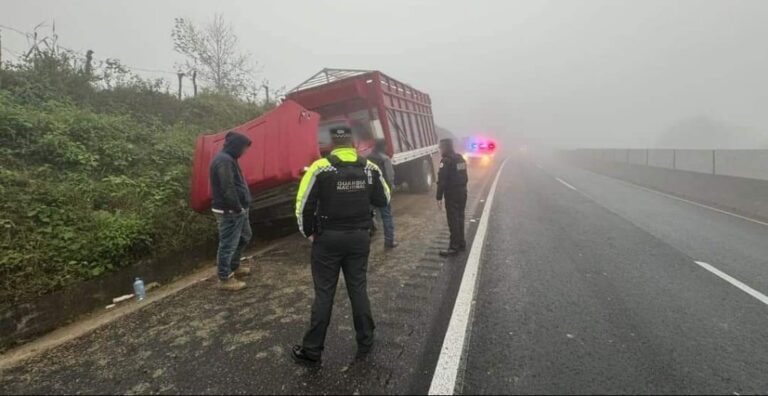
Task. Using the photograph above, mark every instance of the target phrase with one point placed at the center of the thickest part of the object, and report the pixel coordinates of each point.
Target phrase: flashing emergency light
(481, 146)
(479, 150)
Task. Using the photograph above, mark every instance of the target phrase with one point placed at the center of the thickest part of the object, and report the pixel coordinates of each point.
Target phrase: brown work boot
(231, 284)
(242, 271)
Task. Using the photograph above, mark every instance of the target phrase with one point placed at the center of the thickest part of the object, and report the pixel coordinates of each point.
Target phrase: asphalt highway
(591, 285)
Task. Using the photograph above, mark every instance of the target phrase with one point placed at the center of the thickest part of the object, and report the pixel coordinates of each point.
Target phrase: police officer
(333, 208)
(452, 184)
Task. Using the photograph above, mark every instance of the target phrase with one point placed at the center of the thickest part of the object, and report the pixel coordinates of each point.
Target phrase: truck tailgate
(284, 142)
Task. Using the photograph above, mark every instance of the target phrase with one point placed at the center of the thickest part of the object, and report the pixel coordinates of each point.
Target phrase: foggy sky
(578, 73)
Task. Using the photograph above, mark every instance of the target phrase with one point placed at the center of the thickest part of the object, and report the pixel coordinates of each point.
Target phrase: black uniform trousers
(455, 204)
(346, 251)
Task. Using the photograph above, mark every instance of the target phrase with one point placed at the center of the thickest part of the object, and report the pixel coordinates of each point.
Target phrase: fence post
(88, 63)
(180, 75)
(674, 159)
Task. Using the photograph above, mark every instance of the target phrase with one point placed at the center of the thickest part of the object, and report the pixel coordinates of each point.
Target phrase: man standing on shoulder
(452, 183)
(231, 200)
(379, 157)
(333, 209)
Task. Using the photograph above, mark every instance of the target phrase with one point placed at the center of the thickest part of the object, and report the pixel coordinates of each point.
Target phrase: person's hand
(311, 238)
(439, 204)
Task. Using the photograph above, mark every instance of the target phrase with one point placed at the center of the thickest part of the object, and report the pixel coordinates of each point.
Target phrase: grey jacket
(384, 163)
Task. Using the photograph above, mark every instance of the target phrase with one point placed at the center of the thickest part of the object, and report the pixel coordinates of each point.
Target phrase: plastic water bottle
(139, 290)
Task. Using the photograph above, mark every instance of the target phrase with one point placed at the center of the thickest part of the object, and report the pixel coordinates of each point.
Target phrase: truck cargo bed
(403, 113)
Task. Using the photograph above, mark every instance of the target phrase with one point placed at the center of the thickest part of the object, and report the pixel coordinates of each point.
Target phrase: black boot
(449, 252)
(363, 352)
(299, 355)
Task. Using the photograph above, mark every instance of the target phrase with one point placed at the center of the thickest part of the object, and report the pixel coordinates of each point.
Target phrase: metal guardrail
(750, 164)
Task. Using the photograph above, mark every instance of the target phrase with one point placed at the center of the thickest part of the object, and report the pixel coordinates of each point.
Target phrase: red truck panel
(284, 142)
(404, 112)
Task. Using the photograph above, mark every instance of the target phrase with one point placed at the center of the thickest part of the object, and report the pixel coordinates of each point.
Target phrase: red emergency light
(481, 146)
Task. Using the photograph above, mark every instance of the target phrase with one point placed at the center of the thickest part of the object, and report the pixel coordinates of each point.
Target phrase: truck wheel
(422, 176)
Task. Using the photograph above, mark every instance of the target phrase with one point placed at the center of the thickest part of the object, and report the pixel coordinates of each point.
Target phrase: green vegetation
(94, 170)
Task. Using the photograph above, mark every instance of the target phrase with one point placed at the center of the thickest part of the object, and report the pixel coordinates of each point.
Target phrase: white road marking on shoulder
(447, 369)
(566, 184)
(746, 289)
(701, 205)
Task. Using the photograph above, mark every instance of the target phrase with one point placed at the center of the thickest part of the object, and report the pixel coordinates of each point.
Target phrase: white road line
(447, 369)
(566, 184)
(701, 205)
(746, 289)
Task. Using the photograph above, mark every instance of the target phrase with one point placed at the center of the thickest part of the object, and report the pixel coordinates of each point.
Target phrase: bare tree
(212, 52)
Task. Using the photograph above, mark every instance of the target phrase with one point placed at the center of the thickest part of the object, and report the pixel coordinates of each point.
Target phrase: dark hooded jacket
(452, 176)
(228, 188)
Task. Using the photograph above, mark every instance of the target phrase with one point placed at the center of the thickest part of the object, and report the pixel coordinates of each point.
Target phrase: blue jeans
(389, 223)
(234, 235)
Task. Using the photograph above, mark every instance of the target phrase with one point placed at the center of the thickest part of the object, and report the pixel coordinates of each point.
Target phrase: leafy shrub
(93, 179)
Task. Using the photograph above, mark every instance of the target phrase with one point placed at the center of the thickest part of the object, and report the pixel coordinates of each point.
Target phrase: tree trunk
(194, 83)
(1, 58)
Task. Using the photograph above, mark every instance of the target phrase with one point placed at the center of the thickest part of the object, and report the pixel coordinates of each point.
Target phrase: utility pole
(34, 50)
(181, 76)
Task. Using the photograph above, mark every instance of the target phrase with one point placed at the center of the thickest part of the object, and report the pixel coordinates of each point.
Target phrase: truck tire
(422, 176)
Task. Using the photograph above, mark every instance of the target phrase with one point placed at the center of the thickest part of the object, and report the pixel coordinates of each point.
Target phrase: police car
(478, 149)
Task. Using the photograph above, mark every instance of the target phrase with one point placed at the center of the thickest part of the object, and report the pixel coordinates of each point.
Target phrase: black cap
(341, 132)
(446, 142)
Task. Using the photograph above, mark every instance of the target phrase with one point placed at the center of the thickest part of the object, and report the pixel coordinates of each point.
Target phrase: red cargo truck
(292, 135)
